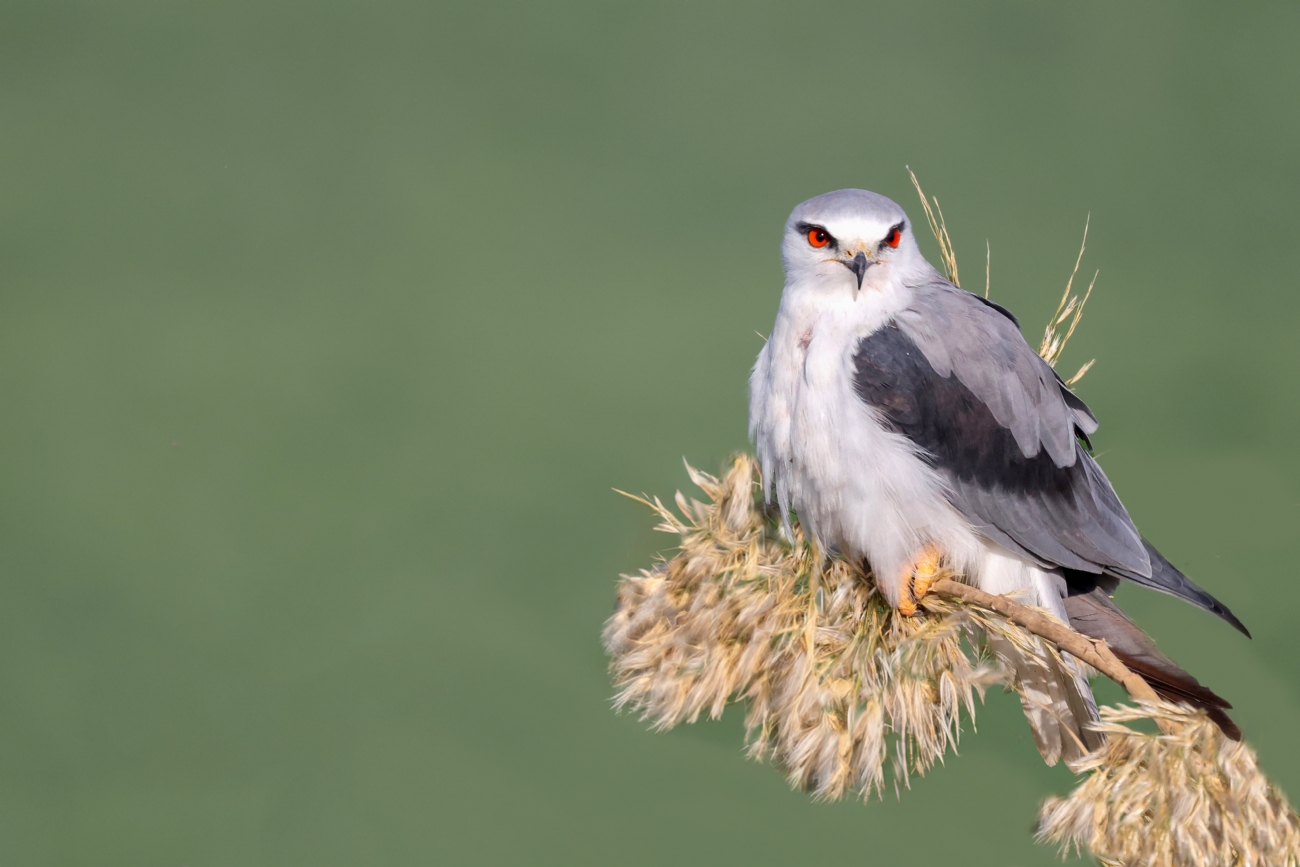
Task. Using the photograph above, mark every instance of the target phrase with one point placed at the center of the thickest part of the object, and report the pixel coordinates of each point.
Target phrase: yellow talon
(918, 577)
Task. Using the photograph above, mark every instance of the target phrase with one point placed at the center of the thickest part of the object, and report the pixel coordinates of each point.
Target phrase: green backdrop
(328, 328)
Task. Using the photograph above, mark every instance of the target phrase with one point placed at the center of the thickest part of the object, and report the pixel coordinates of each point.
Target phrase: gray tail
(1166, 578)
(1096, 615)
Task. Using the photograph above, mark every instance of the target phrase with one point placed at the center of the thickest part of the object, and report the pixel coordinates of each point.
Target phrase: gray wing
(953, 374)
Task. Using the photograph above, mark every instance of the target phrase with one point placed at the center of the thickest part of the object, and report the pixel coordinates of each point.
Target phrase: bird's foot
(918, 577)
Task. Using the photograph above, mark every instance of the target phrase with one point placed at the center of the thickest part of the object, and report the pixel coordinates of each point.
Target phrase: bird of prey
(908, 424)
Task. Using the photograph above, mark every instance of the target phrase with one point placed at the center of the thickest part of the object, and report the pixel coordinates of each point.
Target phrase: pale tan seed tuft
(1191, 797)
(877, 696)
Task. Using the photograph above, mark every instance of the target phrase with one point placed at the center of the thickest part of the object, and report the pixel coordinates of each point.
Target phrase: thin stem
(1091, 651)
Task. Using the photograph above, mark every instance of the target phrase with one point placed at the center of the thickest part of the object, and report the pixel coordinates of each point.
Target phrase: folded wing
(954, 375)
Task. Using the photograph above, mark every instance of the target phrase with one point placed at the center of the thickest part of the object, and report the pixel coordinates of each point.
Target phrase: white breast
(856, 486)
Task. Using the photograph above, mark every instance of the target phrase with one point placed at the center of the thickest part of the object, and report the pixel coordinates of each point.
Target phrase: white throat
(807, 359)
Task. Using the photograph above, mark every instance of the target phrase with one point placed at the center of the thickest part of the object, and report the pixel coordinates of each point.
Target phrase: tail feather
(1166, 578)
(1194, 695)
(1095, 614)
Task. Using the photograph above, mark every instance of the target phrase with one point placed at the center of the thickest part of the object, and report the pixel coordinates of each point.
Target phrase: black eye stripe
(895, 231)
(804, 228)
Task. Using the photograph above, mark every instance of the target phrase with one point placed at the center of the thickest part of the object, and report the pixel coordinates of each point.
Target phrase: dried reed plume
(728, 619)
(1187, 797)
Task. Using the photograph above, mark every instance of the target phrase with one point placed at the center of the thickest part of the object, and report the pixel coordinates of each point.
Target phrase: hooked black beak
(858, 265)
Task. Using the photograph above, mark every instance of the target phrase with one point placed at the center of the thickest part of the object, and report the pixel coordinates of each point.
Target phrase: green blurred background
(327, 329)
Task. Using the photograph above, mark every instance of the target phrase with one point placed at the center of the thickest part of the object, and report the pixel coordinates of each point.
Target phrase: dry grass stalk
(1068, 309)
(1095, 653)
(939, 228)
(988, 267)
(1192, 797)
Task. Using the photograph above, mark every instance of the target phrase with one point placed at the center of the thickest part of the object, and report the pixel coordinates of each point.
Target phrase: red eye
(895, 235)
(818, 237)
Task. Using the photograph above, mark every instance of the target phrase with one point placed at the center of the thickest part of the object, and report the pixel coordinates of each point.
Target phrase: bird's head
(849, 240)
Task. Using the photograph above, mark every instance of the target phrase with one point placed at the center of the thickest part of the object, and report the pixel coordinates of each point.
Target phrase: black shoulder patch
(944, 418)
